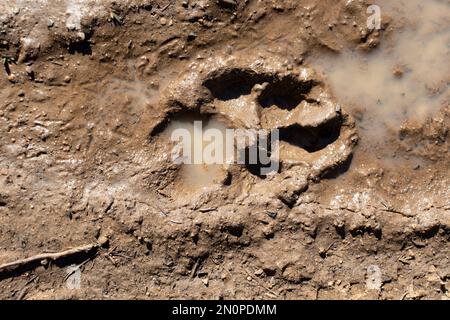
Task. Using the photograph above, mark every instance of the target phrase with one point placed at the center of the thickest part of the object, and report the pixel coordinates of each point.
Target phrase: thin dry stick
(48, 256)
(78, 267)
(167, 6)
(260, 283)
(194, 269)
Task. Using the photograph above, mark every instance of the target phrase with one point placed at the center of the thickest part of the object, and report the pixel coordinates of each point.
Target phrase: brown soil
(87, 92)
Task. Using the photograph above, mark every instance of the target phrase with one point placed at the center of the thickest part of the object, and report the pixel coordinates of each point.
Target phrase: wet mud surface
(91, 91)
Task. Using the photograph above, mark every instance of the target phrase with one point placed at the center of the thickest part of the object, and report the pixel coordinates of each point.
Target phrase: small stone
(163, 21)
(67, 79)
(12, 78)
(259, 272)
(21, 93)
(16, 11)
(50, 23)
(205, 282)
(81, 36)
(191, 36)
(29, 70)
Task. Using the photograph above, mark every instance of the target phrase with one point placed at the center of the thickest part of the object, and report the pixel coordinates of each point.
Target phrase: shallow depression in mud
(195, 174)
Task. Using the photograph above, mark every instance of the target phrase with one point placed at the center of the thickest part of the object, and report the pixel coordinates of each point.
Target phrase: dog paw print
(262, 92)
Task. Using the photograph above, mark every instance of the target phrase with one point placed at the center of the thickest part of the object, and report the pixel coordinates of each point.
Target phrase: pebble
(29, 70)
(191, 36)
(81, 36)
(163, 21)
(259, 272)
(12, 78)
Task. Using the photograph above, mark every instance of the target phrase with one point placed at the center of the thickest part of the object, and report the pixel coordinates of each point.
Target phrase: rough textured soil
(87, 91)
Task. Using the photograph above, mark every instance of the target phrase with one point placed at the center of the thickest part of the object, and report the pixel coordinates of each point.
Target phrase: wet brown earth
(91, 90)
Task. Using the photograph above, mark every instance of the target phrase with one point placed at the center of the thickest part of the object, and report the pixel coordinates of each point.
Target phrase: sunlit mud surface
(92, 91)
(406, 78)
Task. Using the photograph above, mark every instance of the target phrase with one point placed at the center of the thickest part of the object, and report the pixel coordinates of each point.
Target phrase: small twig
(31, 280)
(108, 255)
(115, 18)
(24, 290)
(282, 290)
(207, 209)
(161, 210)
(260, 283)
(389, 208)
(194, 268)
(49, 256)
(57, 63)
(117, 254)
(78, 267)
(22, 293)
(6, 61)
(166, 6)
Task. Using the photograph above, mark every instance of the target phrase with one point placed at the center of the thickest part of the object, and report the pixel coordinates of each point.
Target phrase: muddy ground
(87, 90)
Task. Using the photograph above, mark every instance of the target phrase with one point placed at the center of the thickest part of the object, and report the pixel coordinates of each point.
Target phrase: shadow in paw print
(82, 46)
(312, 139)
(338, 170)
(234, 83)
(286, 93)
(256, 167)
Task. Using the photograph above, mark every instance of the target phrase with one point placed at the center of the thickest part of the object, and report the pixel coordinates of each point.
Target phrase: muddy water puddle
(405, 79)
(196, 174)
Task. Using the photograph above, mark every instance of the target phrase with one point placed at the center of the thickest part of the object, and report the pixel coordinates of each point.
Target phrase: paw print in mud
(261, 92)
